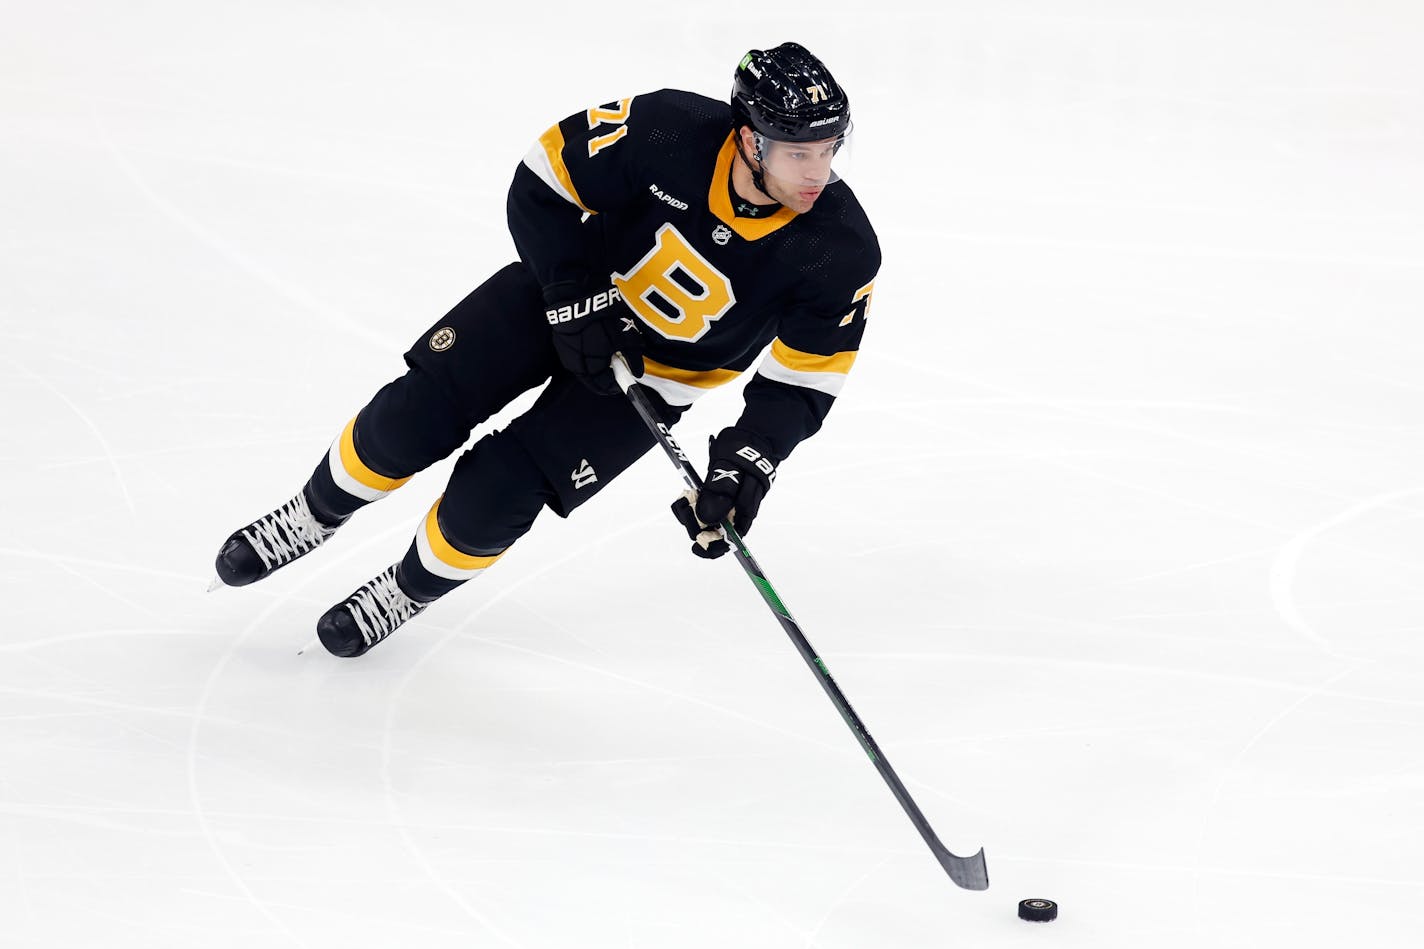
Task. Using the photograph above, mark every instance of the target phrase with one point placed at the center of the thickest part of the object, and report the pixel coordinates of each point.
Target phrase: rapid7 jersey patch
(674, 289)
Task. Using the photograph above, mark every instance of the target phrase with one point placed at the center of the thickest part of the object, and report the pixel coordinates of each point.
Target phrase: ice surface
(1113, 540)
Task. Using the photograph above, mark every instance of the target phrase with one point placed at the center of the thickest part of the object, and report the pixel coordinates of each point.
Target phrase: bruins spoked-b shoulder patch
(442, 339)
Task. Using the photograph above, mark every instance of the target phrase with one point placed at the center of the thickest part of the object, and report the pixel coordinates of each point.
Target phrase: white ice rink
(1115, 539)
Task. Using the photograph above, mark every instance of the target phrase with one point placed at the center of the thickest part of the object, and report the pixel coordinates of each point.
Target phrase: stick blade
(971, 873)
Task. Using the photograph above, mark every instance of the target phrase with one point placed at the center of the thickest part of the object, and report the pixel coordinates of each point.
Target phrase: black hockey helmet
(789, 95)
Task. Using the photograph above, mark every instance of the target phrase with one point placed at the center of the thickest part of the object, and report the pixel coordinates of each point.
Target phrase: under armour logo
(628, 325)
(583, 475)
(727, 474)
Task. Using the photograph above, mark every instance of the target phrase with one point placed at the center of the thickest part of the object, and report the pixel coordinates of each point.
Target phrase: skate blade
(217, 582)
(308, 646)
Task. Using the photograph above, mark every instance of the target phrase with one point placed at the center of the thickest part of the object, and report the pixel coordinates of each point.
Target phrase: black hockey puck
(1038, 911)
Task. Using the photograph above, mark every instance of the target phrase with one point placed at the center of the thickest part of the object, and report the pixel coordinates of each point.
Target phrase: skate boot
(373, 612)
(271, 542)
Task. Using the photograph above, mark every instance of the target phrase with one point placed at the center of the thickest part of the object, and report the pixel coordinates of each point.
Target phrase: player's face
(797, 172)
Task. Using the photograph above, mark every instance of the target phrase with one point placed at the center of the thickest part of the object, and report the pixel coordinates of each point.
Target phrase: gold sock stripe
(357, 469)
(447, 554)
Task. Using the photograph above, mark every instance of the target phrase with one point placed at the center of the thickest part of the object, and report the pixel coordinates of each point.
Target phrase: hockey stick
(968, 872)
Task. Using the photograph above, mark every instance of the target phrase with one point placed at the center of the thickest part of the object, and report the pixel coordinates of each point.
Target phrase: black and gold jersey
(637, 193)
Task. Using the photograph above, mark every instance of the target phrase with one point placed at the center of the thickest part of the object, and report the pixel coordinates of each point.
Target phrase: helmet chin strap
(758, 178)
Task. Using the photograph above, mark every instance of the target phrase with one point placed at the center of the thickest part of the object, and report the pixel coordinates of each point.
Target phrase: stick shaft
(968, 872)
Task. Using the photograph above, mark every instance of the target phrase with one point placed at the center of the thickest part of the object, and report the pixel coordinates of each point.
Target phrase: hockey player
(683, 232)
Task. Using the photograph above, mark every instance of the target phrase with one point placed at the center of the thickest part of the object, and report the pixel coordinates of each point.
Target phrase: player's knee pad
(407, 425)
(495, 493)
(410, 424)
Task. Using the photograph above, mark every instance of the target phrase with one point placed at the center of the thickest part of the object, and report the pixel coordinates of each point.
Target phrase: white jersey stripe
(538, 162)
(827, 382)
(673, 392)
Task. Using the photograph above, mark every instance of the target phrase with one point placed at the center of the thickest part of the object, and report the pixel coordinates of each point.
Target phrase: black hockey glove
(588, 331)
(739, 473)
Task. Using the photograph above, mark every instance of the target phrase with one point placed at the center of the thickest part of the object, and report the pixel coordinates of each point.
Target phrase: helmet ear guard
(758, 168)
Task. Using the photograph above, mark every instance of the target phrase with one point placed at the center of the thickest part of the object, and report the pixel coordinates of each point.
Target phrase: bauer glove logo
(762, 463)
(581, 308)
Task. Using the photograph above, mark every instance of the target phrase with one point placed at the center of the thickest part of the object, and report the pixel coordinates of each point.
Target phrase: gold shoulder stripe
(720, 201)
(798, 361)
(553, 142)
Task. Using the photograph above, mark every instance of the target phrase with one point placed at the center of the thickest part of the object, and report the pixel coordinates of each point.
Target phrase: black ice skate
(373, 612)
(270, 542)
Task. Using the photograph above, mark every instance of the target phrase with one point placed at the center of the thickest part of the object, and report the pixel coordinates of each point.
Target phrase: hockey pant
(492, 347)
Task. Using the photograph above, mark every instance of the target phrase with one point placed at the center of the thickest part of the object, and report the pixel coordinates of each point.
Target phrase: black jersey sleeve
(584, 165)
(816, 344)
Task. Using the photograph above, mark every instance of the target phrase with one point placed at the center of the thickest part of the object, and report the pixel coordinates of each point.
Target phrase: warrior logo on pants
(583, 475)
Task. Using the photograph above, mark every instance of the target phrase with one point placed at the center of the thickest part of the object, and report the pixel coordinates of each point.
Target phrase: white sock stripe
(343, 479)
(435, 565)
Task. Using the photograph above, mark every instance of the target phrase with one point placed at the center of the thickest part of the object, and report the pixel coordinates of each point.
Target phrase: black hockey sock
(435, 563)
(329, 503)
